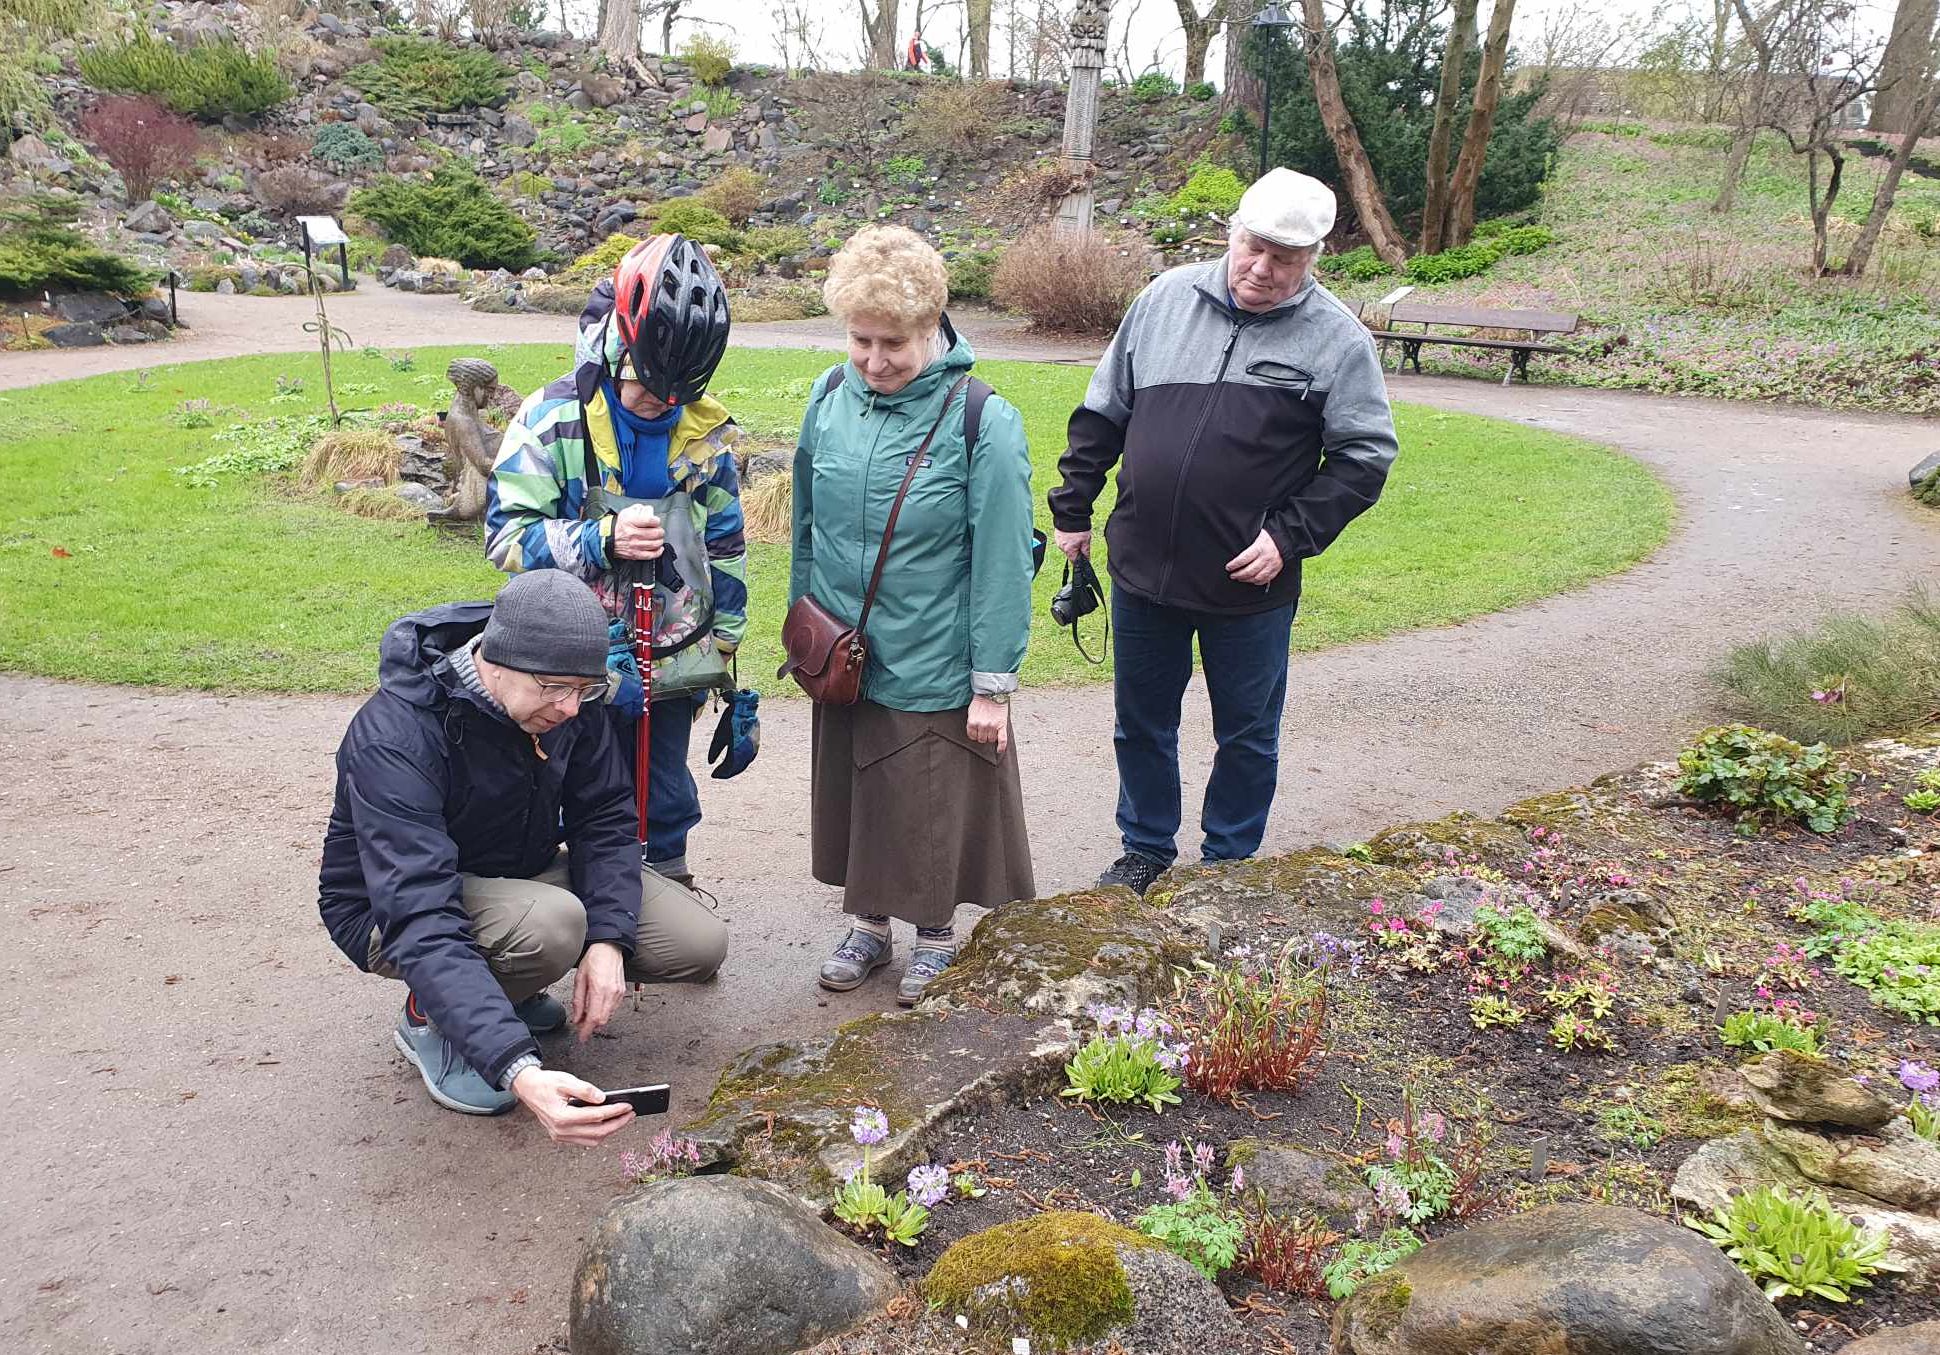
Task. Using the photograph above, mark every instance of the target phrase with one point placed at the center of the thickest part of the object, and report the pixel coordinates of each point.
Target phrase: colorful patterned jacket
(536, 500)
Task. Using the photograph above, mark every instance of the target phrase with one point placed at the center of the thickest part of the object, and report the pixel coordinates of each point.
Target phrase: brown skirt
(911, 816)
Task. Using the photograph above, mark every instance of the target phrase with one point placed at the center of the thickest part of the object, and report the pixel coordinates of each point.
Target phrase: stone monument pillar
(1088, 23)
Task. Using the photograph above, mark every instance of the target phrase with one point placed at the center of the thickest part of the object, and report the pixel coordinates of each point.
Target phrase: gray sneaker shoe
(453, 1083)
(924, 965)
(860, 955)
(542, 1013)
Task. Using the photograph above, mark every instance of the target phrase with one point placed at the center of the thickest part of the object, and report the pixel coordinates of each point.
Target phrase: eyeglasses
(558, 693)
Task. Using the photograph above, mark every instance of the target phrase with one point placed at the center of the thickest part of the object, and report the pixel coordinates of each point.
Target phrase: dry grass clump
(350, 454)
(1068, 283)
(451, 267)
(768, 509)
(384, 505)
(957, 117)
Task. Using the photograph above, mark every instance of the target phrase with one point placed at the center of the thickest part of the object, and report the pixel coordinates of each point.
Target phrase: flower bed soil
(1613, 1126)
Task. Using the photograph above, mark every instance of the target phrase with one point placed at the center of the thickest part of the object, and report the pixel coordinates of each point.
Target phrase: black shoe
(1135, 871)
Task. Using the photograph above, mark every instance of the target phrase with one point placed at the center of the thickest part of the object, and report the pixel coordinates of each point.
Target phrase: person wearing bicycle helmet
(624, 469)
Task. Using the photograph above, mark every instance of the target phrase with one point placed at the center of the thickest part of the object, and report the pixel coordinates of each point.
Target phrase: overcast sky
(1154, 25)
(1147, 29)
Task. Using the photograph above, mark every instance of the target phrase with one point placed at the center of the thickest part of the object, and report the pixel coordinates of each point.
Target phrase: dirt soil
(215, 1147)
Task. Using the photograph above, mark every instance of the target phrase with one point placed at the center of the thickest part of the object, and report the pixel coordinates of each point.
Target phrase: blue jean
(673, 797)
(1245, 661)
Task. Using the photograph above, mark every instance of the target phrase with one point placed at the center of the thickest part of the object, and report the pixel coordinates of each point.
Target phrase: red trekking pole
(643, 656)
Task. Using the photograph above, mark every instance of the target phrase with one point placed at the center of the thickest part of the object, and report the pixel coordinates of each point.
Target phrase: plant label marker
(1538, 1158)
(1212, 940)
(1020, 1345)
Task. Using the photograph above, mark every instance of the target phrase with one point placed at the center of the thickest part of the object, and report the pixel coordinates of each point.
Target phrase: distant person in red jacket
(913, 58)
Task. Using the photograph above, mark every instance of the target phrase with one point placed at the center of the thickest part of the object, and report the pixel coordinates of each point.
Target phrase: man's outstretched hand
(543, 1091)
(597, 988)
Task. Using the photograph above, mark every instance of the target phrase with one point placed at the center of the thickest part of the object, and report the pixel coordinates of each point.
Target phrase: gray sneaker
(924, 965)
(453, 1083)
(860, 955)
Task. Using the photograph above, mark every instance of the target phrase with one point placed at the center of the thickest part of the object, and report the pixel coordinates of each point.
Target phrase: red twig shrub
(145, 141)
(1079, 284)
(1251, 1026)
(1287, 1255)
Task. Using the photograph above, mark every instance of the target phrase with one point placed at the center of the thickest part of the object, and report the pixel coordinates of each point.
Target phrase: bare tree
(1434, 212)
(1575, 46)
(1717, 67)
(1905, 70)
(878, 34)
(1481, 126)
(620, 34)
(1922, 119)
(1764, 32)
(1363, 189)
(1199, 30)
(1829, 65)
(798, 35)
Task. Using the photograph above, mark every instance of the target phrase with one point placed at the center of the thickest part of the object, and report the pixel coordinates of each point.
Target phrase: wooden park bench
(1426, 314)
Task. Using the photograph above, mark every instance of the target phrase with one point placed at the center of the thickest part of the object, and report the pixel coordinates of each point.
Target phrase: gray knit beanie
(547, 622)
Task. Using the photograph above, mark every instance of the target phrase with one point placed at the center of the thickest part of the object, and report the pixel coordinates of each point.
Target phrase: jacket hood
(939, 376)
(411, 661)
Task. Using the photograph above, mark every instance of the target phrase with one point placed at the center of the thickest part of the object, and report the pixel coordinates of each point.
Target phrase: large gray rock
(149, 218)
(91, 306)
(1920, 472)
(418, 496)
(1804, 1089)
(1896, 1166)
(1298, 1180)
(1564, 1280)
(1922, 1338)
(718, 1264)
(80, 334)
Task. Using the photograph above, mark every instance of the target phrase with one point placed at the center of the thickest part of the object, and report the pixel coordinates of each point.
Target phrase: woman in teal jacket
(915, 804)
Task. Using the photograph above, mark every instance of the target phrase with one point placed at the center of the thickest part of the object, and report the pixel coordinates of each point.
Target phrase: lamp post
(1268, 22)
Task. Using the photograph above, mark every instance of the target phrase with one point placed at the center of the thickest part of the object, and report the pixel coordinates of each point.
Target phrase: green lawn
(115, 568)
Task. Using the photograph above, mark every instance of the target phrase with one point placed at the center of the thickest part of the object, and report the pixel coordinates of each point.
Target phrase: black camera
(1080, 595)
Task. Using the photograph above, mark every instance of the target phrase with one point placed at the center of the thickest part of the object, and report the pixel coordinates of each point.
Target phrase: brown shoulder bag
(825, 656)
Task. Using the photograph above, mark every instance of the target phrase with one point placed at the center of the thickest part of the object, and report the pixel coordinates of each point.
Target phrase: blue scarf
(643, 445)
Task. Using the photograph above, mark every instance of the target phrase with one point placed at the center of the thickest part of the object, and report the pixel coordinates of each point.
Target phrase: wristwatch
(1001, 698)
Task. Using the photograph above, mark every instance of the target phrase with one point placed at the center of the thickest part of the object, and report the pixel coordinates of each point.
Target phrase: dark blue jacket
(432, 782)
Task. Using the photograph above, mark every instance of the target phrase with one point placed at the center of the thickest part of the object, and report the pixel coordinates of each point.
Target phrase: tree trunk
(1905, 69)
(1198, 35)
(620, 34)
(1715, 60)
(1923, 119)
(1434, 212)
(1822, 210)
(1362, 187)
(1752, 113)
(879, 33)
(978, 14)
(1481, 126)
(1243, 91)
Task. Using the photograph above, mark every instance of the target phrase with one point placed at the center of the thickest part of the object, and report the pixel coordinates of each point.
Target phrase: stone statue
(1089, 23)
(475, 389)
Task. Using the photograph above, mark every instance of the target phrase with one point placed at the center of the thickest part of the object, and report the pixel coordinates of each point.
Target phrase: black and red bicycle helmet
(672, 313)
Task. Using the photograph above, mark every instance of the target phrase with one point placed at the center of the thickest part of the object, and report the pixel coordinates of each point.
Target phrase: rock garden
(1649, 1065)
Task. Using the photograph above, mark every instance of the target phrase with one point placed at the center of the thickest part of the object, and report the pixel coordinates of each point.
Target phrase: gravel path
(214, 1146)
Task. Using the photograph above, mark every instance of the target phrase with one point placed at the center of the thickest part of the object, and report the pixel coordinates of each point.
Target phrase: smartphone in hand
(652, 1100)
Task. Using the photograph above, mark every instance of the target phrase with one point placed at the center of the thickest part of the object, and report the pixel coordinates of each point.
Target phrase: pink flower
(1376, 907)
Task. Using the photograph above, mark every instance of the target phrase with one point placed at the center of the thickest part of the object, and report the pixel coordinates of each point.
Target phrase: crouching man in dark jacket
(456, 785)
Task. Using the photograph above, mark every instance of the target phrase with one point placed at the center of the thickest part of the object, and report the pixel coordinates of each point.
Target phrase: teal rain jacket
(954, 611)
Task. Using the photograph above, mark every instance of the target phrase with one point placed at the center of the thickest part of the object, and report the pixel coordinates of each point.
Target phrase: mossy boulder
(1313, 890)
(1810, 1089)
(1055, 957)
(1559, 1279)
(1455, 839)
(1922, 1338)
(1066, 1278)
(781, 1111)
(1297, 1180)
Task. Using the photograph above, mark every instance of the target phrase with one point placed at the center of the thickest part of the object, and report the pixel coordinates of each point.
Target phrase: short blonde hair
(891, 273)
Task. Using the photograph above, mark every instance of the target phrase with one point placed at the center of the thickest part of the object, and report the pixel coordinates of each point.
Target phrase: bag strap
(975, 394)
(895, 509)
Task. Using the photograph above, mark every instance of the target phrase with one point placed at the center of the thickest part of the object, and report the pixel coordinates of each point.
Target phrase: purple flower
(1918, 1077)
(928, 1184)
(1174, 1159)
(1239, 1180)
(1394, 1145)
(1202, 1158)
(871, 1125)
(1178, 1187)
(1433, 1125)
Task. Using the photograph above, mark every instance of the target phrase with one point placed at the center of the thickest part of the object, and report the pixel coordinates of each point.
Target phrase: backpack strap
(832, 381)
(973, 397)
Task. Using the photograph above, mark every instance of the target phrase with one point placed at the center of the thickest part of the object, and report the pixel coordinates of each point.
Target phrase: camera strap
(1089, 582)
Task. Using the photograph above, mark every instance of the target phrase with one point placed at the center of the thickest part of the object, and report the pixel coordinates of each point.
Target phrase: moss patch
(1056, 1275)
(1414, 844)
(1055, 956)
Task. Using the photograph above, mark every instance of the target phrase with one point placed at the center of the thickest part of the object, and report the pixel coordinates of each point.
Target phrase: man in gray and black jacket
(1246, 410)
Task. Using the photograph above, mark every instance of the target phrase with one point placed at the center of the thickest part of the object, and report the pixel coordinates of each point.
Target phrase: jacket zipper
(1192, 449)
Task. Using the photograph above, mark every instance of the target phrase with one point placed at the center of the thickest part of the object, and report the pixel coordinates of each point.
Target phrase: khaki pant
(533, 931)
